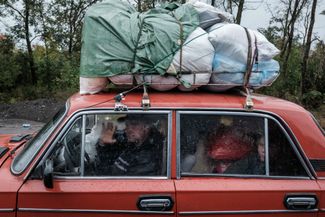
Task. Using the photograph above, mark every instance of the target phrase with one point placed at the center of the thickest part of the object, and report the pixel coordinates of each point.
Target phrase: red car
(188, 154)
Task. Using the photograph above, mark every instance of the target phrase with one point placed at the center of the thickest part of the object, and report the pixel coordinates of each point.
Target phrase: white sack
(122, 79)
(197, 56)
(158, 82)
(230, 40)
(92, 85)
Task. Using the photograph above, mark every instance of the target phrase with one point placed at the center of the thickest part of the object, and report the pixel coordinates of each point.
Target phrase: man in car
(136, 156)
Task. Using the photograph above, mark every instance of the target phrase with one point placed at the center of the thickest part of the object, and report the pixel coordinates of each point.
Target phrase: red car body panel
(189, 194)
(9, 186)
(237, 194)
(90, 194)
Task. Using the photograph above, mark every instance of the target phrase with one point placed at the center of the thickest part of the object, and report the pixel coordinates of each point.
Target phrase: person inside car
(136, 155)
(227, 146)
(253, 163)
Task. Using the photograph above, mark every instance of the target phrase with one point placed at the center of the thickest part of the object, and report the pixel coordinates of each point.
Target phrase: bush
(313, 99)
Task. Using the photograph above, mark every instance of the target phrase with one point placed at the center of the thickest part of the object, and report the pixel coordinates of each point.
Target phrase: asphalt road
(19, 126)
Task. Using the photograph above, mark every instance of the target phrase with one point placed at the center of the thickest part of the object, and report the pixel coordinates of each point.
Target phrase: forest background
(40, 49)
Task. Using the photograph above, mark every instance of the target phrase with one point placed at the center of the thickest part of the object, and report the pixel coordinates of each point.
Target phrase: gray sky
(256, 16)
(260, 17)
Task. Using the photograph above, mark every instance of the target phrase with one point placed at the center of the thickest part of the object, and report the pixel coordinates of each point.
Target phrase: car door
(240, 164)
(96, 177)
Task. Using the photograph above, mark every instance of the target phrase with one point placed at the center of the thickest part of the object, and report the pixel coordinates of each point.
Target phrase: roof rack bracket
(119, 106)
(145, 103)
(249, 104)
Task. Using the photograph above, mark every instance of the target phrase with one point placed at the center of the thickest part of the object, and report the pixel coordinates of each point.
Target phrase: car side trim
(234, 212)
(110, 177)
(95, 211)
(6, 210)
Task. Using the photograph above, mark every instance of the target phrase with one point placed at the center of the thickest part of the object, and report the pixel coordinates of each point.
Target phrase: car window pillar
(266, 143)
(83, 139)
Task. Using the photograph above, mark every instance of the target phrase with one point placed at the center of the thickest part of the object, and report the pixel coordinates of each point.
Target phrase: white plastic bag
(197, 56)
(230, 40)
(92, 85)
(122, 79)
(158, 82)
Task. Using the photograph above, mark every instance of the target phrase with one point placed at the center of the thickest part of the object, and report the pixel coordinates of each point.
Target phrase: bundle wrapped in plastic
(197, 56)
(231, 46)
(263, 74)
(117, 40)
(166, 48)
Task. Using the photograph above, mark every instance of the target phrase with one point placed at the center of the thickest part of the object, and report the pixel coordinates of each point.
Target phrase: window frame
(82, 114)
(266, 118)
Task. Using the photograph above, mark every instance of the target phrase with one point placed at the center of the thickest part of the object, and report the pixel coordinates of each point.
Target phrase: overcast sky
(259, 16)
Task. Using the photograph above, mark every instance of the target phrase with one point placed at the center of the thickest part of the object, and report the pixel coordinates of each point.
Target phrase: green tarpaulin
(116, 39)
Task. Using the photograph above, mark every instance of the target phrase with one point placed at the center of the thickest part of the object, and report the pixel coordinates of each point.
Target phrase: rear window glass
(236, 144)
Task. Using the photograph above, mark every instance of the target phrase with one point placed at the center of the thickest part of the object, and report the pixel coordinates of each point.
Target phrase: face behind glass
(136, 132)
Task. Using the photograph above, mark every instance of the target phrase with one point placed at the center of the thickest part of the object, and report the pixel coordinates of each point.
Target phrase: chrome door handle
(301, 202)
(155, 203)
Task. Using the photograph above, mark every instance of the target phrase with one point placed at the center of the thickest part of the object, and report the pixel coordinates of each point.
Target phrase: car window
(283, 160)
(230, 144)
(114, 145)
(66, 156)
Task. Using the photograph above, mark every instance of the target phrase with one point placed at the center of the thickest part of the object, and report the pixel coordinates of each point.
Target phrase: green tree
(9, 69)
(304, 74)
(22, 13)
(65, 23)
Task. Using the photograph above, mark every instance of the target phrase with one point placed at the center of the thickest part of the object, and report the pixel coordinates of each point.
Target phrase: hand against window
(107, 134)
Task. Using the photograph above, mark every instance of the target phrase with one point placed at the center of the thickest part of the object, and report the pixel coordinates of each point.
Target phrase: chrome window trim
(178, 145)
(80, 113)
(94, 211)
(111, 178)
(2, 210)
(66, 106)
(266, 145)
(83, 139)
(322, 209)
(169, 145)
(238, 212)
(187, 174)
(241, 113)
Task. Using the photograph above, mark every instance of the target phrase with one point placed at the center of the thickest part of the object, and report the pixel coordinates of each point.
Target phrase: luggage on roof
(184, 46)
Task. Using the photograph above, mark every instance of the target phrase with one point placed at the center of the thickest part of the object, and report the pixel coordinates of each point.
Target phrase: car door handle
(301, 203)
(155, 203)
